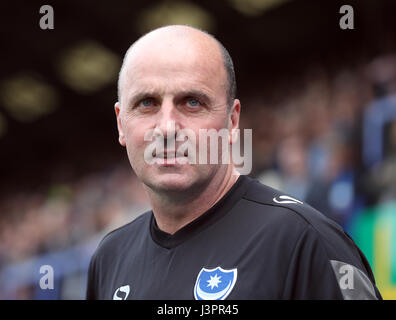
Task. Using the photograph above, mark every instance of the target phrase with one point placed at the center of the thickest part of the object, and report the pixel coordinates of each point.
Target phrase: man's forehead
(173, 78)
(173, 68)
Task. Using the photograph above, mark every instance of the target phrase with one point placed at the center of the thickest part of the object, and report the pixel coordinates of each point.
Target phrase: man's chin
(170, 182)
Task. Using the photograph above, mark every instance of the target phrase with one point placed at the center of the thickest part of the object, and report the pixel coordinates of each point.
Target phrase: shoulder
(280, 206)
(294, 217)
(114, 242)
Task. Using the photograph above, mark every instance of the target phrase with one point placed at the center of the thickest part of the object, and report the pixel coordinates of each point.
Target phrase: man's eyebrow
(200, 95)
(134, 98)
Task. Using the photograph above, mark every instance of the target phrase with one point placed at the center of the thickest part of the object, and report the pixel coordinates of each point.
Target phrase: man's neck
(172, 215)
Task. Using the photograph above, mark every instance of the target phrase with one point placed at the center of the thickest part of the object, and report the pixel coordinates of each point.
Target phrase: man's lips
(169, 154)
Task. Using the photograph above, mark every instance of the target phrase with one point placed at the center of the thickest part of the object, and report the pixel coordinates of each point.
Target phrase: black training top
(255, 243)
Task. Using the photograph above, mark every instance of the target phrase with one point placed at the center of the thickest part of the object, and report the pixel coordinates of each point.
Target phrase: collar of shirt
(208, 218)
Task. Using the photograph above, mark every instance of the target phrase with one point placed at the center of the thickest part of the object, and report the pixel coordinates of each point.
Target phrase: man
(211, 233)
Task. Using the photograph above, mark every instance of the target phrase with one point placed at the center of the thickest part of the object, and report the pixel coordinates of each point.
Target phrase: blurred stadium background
(321, 102)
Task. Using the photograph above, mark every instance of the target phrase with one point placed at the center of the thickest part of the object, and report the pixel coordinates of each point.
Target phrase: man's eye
(193, 102)
(148, 102)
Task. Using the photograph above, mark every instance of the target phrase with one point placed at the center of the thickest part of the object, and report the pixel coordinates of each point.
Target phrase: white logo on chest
(121, 293)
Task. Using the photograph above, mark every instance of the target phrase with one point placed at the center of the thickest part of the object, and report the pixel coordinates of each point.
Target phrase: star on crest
(214, 281)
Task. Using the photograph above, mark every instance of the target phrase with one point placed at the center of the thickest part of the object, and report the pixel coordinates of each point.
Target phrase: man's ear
(121, 137)
(234, 121)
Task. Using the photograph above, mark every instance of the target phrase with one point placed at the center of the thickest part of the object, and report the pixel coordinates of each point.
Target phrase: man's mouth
(169, 154)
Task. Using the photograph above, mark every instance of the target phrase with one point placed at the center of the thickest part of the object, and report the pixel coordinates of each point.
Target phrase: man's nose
(168, 121)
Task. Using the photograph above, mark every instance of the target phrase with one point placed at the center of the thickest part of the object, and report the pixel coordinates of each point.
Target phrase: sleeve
(313, 274)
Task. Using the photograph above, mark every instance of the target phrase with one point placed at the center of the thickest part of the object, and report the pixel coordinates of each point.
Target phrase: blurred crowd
(327, 138)
(36, 223)
(317, 138)
(68, 214)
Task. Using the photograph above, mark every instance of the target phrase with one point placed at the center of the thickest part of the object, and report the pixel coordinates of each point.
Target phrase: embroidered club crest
(214, 284)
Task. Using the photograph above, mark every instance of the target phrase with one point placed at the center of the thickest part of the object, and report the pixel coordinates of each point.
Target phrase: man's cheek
(133, 148)
(134, 139)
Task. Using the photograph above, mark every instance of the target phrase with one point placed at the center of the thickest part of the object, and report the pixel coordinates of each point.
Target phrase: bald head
(181, 40)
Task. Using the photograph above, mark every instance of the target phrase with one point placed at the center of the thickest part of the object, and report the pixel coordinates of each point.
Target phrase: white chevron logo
(286, 199)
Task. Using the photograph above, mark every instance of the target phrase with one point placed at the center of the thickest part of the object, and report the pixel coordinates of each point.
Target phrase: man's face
(179, 82)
